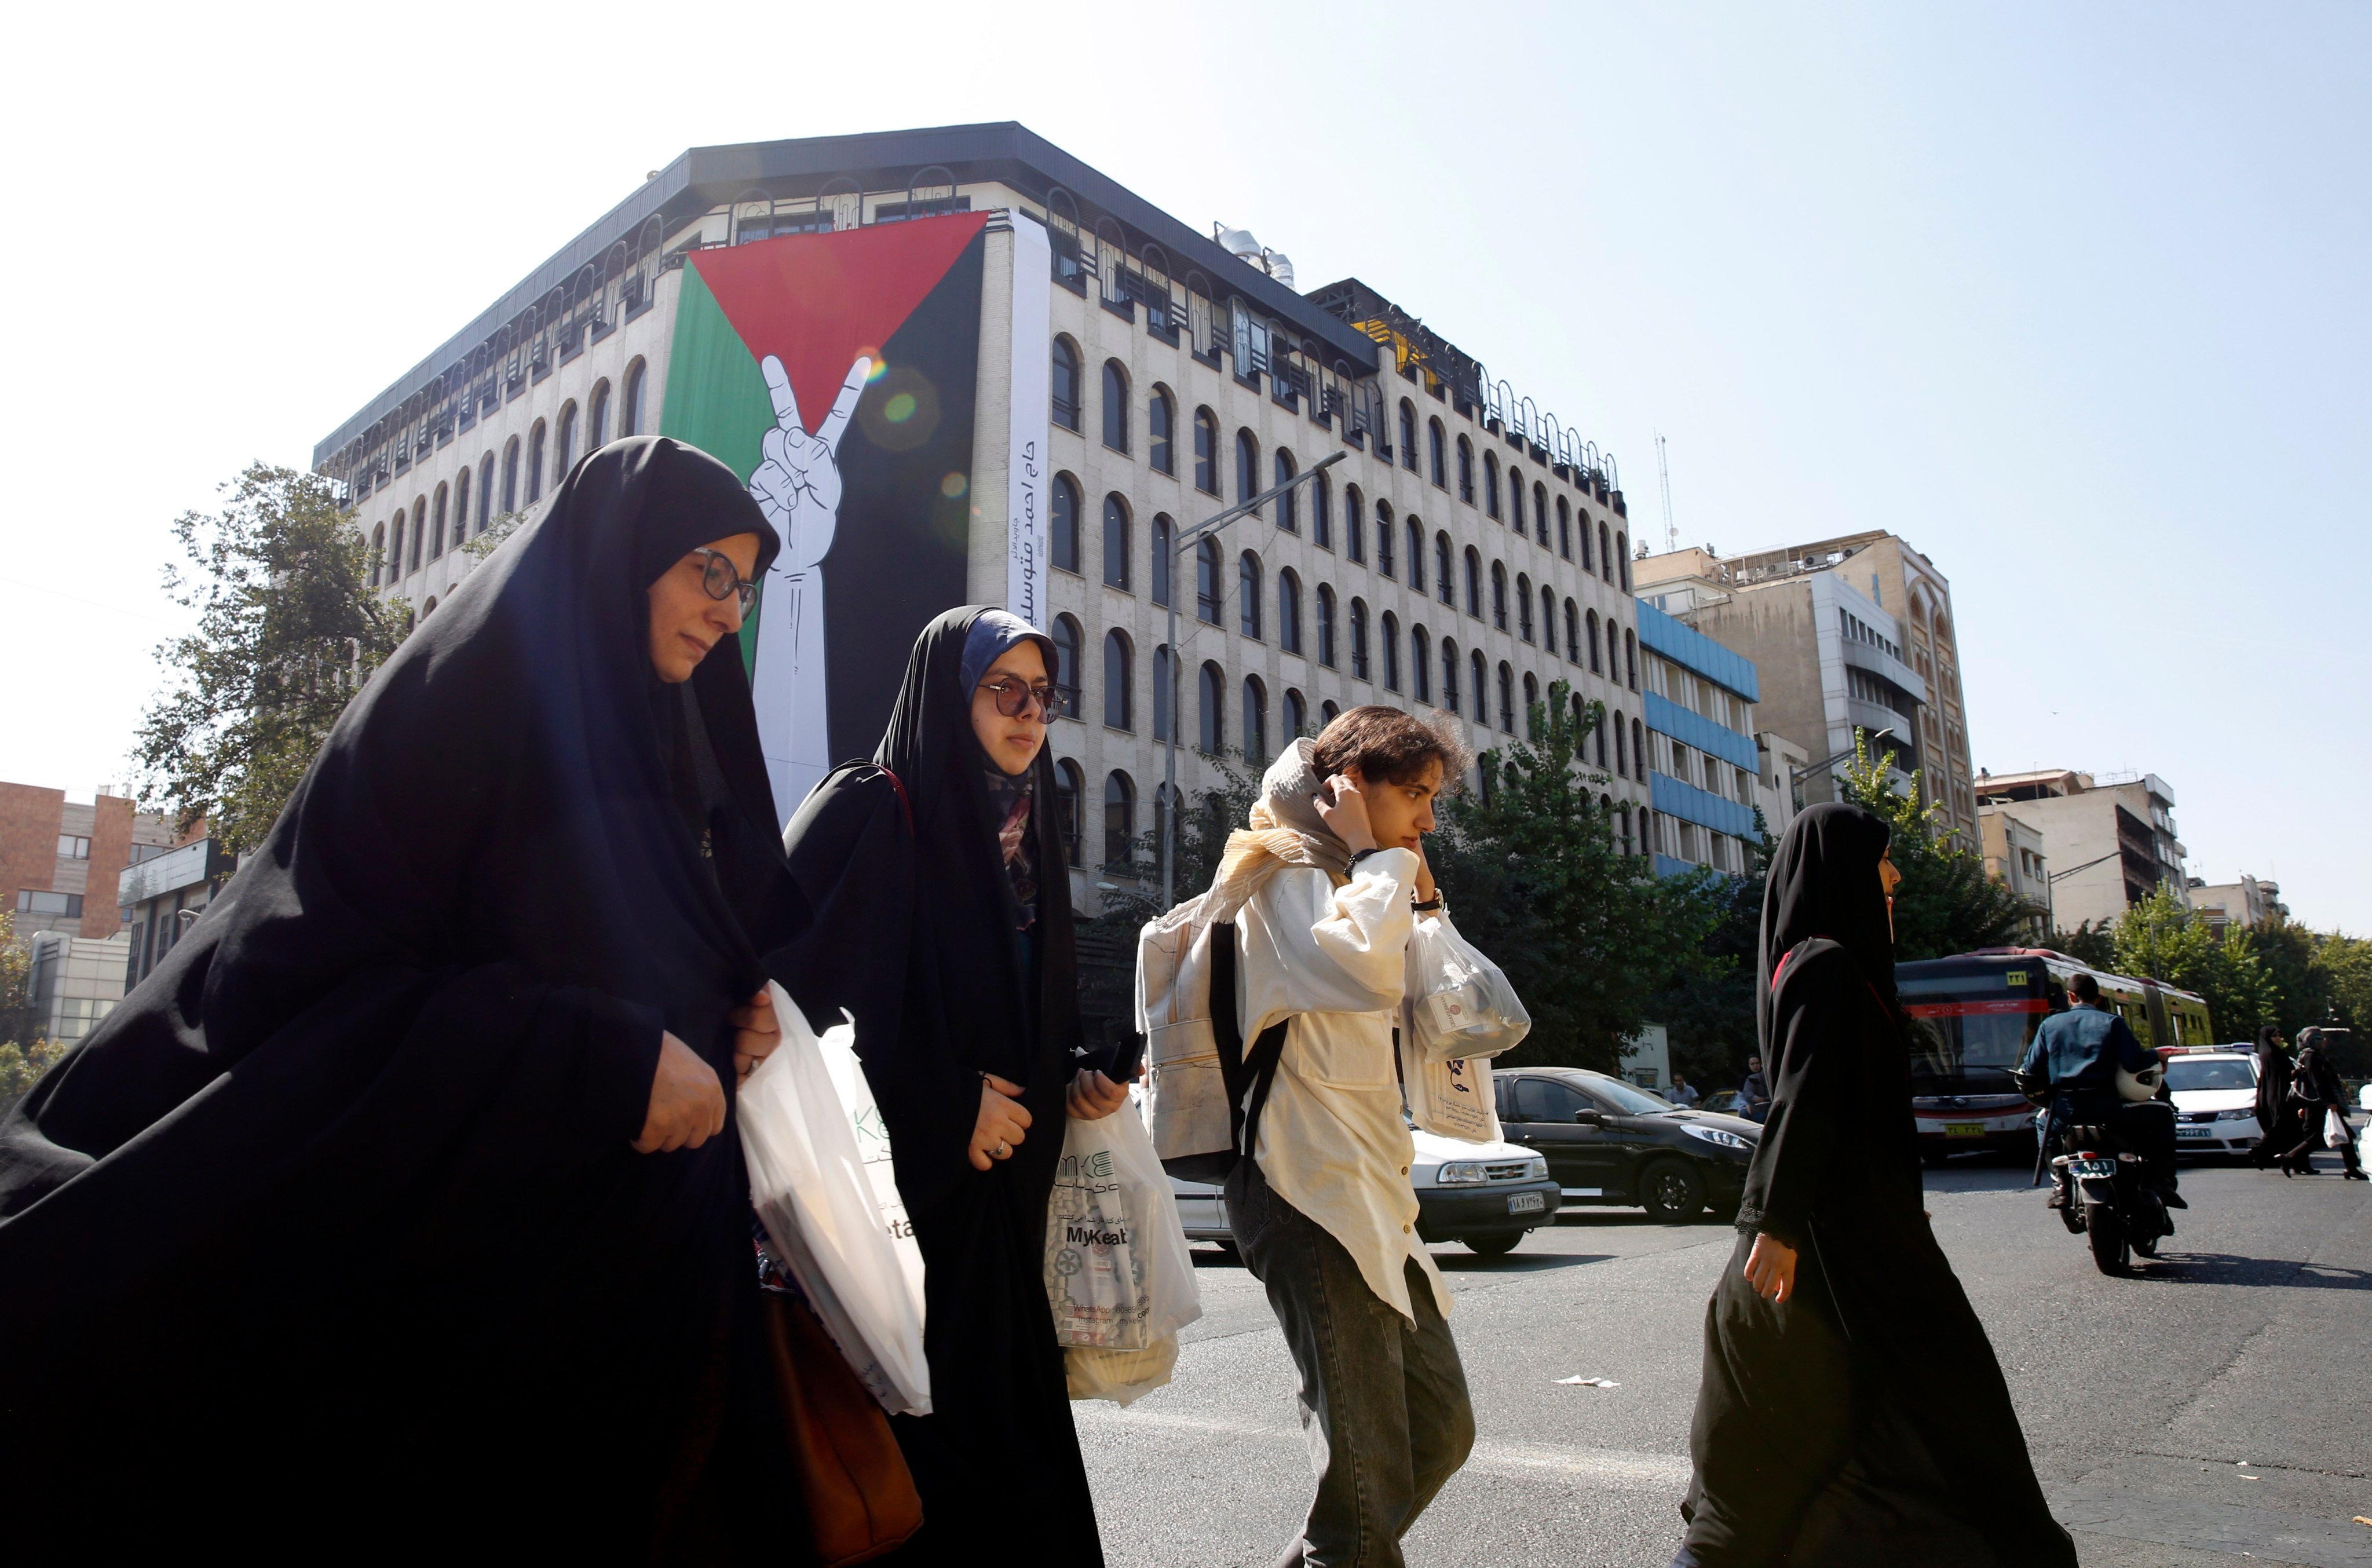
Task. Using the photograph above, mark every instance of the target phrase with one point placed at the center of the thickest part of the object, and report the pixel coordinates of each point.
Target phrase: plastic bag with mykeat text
(820, 1180)
(1460, 1007)
(1119, 1276)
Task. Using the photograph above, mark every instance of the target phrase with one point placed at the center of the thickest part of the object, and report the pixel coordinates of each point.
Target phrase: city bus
(1974, 1015)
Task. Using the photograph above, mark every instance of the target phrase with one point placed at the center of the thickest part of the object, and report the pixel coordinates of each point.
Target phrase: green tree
(16, 1018)
(1708, 1013)
(288, 629)
(2094, 947)
(2162, 939)
(1589, 935)
(1946, 901)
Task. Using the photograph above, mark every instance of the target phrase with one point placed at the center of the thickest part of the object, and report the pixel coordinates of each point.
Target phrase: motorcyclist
(2075, 1058)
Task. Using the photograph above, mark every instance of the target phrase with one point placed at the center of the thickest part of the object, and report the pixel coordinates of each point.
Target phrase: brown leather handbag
(860, 1497)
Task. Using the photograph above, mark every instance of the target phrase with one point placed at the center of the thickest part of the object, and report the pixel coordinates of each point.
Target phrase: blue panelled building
(1703, 769)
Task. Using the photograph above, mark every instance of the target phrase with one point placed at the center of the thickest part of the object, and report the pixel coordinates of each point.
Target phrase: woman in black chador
(2277, 1116)
(399, 1211)
(1851, 1412)
(937, 913)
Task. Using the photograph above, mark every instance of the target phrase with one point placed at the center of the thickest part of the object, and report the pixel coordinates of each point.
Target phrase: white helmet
(2141, 1085)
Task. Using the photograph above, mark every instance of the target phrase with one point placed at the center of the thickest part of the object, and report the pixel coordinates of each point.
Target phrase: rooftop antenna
(1664, 475)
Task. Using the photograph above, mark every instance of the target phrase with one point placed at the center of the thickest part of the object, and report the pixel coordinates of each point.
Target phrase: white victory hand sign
(798, 481)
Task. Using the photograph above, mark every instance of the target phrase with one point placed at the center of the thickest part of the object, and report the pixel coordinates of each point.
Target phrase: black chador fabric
(1865, 1420)
(333, 1223)
(909, 925)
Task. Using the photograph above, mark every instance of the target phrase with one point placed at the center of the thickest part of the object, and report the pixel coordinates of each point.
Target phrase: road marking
(1606, 1467)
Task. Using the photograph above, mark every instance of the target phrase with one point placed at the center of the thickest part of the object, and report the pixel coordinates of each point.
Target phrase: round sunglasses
(1014, 695)
(723, 580)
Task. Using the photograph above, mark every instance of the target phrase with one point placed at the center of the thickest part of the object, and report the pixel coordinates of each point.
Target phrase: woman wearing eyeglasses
(401, 1203)
(937, 913)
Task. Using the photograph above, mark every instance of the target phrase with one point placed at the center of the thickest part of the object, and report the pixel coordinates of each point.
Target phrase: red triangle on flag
(816, 301)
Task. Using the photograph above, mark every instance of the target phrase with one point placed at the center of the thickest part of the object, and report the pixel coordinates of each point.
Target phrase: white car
(1486, 1195)
(2215, 1094)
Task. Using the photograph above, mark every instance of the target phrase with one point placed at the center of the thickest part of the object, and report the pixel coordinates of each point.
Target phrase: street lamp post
(1795, 776)
(1177, 546)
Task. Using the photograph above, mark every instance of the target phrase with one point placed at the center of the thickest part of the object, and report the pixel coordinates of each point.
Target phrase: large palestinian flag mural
(836, 373)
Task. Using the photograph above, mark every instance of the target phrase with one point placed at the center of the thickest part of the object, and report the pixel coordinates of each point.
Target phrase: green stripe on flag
(716, 398)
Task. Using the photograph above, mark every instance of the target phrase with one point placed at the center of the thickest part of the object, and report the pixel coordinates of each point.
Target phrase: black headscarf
(345, 1183)
(1823, 882)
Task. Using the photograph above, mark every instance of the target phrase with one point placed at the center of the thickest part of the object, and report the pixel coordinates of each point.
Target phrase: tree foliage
(2092, 946)
(1946, 902)
(1708, 1012)
(24, 1056)
(2162, 939)
(1590, 936)
(288, 629)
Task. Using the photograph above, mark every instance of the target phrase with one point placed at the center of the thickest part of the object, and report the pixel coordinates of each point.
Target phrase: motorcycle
(2105, 1196)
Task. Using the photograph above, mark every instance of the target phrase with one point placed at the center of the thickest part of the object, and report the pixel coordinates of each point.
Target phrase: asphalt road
(2214, 1409)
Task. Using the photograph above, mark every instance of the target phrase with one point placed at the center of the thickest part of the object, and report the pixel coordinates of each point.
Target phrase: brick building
(60, 860)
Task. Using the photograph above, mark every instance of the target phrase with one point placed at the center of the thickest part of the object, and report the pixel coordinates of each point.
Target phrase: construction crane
(1664, 475)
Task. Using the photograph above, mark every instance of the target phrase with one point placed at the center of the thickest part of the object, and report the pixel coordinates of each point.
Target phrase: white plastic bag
(1452, 1099)
(2334, 1130)
(1459, 1005)
(820, 1180)
(1119, 1276)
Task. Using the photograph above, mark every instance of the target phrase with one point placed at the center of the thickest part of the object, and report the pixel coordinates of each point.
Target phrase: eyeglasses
(723, 580)
(1014, 695)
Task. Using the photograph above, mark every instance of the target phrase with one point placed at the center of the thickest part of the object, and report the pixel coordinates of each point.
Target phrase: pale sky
(2074, 298)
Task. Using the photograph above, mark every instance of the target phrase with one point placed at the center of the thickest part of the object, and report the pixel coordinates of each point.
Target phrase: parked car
(1610, 1142)
(1722, 1102)
(2215, 1095)
(1486, 1195)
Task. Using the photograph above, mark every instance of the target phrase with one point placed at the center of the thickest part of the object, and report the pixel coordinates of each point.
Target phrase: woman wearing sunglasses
(937, 913)
(402, 1201)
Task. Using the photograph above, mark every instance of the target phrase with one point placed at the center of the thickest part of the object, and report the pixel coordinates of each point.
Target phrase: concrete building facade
(2254, 902)
(1702, 764)
(2017, 856)
(2113, 839)
(60, 859)
(1467, 553)
(161, 899)
(75, 982)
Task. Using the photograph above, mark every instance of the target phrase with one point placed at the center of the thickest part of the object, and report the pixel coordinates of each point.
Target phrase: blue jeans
(1383, 1399)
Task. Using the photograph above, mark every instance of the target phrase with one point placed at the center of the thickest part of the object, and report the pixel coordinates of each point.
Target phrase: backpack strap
(905, 801)
(1248, 1075)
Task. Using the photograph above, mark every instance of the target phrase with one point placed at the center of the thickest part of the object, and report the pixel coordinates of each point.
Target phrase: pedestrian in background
(1682, 1093)
(1753, 1091)
(935, 907)
(1851, 1412)
(2276, 1117)
(2318, 1096)
(401, 1207)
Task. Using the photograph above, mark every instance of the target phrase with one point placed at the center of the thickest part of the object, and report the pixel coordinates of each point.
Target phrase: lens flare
(900, 408)
(954, 486)
(881, 365)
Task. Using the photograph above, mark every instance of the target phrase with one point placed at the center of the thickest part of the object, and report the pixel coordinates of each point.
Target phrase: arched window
(1068, 787)
(1359, 639)
(436, 525)
(1416, 554)
(1594, 669)
(1120, 819)
(630, 408)
(1408, 436)
(419, 532)
(1354, 523)
(378, 553)
(1605, 553)
(485, 495)
(1066, 385)
(1622, 749)
(1507, 696)
(1619, 819)
(1067, 663)
(1207, 597)
(1115, 406)
(1541, 513)
(1614, 653)
(1499, 597)
(1390, 641)
(1516, 497)
(1321, 513)
(535, 464)
(1600, 728)
(1564, 529)
(1384, 537)
(1116, 541)
(1435, 464)
(429, 608)
(1445, 582)
(1531, 707)
(461, 505)
(1452, 693)
(1638, 752)
(597, 418)
(1120, 685)
(1326, 625)
(1489, 484)
(1327, 714)
(1288, 612)
(1295, 716)
(1481, 688)
(1160, 424)
(1063, 508)
(395, 551)
(1466, 470)
(1206, 451)
(1288, 515)
(1255, 720)
(1622, 559)
(1548, 618)
(1164, 531)
(510, 475)
(1523, 603)
(1420, 664)
(1248, 593)
(1631, 660)
(1162, 691)
(1214, 695)
(1248, 482)
(563, 455)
